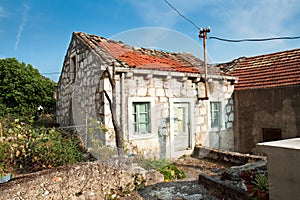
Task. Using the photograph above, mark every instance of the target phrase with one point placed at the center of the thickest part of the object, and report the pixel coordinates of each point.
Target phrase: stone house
(158, 97)
(266, 98)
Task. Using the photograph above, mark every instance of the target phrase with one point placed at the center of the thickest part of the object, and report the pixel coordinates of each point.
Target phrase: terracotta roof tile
(265, 71)
(142, 58)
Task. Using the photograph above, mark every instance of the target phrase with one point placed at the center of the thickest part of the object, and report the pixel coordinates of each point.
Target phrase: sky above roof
(38, 32)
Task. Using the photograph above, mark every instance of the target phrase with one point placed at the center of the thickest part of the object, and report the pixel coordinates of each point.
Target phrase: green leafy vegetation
(171, 172)
(168, 169)
(23, 89)
(24, 148)
(261, 182)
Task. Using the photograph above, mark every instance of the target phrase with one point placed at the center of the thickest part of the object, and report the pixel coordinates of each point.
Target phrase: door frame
(191, 108)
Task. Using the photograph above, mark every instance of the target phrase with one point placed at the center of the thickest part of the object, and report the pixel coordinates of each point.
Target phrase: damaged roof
(265, 71)
(142, 58)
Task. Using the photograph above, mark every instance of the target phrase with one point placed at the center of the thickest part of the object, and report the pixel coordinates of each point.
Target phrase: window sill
(214, 130)
(142, 136)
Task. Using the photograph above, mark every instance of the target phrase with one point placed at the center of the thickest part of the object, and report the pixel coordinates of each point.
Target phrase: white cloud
(2, 12)
(262, 18)
(233, 19)
(158, 13)
(256, 18)
(154, 14)
(22, 25)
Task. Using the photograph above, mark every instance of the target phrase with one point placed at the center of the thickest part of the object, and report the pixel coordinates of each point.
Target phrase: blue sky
(38, 32)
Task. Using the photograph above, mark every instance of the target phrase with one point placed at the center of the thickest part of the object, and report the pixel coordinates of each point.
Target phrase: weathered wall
(265, 108)
(159, 89)
(70, 101)
(96, 180)
(222, 137)
(80, 103)
(234, 158)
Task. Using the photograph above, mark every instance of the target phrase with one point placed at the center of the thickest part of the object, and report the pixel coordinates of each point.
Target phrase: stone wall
(222, 137)
(80, 102)
(160, 90)
(96, 180)
(222, 189)
(76, 94)
(234, 158)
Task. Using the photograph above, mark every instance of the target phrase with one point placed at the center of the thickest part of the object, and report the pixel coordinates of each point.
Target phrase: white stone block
(203, 111)
(157, 83)
(151, 92)
(176, 92)
(203, 128)
(169, 93)
(141, 92)
(227, 95)
(197, 129)
(229, 125)
(163, 99)
(201, 120)
(166, 112)
(160, 92)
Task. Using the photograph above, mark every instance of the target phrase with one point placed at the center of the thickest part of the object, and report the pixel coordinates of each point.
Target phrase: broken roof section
(265, 71)
(142, 58)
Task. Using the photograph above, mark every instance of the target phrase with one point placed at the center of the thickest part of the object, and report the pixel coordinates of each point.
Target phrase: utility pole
(203, 34)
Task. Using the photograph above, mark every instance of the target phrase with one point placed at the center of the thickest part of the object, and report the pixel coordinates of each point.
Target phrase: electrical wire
(255, 39)
(184, 17)
(232, 40)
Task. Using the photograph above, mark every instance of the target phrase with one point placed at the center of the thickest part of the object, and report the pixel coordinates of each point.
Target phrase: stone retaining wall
(95, 180)
(225, 156)
(222, 190)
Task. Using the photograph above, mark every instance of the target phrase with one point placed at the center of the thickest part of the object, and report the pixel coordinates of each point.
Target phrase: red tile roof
(141, 58)
(265, 71)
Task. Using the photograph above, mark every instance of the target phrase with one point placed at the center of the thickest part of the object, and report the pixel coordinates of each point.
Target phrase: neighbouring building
(266, 98)
(158, 97)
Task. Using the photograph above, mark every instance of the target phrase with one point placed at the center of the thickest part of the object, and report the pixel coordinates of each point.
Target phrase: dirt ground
(185, 189)
(194, 166)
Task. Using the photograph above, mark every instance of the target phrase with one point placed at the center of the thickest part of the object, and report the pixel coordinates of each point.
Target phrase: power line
(232, 40)
(255, 39)
(184, 17)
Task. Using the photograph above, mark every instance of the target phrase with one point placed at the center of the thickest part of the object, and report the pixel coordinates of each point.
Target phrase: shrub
(261, 182)
(24, 89)
(168, 169)
(171, 172)
(27, 149)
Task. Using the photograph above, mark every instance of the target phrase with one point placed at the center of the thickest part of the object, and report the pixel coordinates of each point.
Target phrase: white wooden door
(182, 139)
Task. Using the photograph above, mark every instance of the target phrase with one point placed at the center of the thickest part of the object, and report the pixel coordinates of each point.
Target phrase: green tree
(23, 89)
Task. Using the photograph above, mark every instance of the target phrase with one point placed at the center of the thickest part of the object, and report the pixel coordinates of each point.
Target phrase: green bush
(169, 170)
(24, 89)
(155, 164)
(27, 149)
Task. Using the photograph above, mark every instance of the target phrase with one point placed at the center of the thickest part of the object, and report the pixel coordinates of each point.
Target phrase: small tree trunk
(113, 105)
(117, 127)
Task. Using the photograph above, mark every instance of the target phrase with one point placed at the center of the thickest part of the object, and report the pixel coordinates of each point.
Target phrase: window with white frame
(215, 114)
(141, 116)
